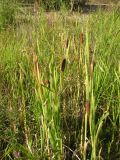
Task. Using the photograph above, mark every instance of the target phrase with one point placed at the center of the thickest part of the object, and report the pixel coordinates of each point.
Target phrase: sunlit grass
(59, 88)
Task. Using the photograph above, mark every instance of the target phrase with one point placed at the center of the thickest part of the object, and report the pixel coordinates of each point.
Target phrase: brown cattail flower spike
(81, 38)
(87, 107)
(67, 43)
(63, 65)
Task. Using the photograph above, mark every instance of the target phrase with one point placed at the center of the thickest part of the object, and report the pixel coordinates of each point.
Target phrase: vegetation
(7, 13)
(60, 85)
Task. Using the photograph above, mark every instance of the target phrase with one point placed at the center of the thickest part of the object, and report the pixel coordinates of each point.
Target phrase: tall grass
(8, 11)
(59, 88)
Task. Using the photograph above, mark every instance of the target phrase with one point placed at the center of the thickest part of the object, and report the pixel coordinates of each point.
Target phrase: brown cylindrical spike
(63, 65)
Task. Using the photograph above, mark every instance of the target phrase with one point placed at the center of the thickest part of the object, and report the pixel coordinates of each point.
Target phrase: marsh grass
(59, 89)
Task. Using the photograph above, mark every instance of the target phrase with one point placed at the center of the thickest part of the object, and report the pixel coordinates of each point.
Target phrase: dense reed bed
(60, 88)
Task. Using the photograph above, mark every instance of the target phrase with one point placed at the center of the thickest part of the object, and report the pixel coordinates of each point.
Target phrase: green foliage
(56, 4)
(7, 13)
(60, 87)
(53, 4)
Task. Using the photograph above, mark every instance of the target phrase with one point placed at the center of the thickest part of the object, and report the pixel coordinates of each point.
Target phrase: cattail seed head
(87, 107)
(81, 38)
(63, 65)
(67, 43)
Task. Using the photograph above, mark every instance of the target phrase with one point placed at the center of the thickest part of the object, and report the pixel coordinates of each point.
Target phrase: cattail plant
(63, 65)
(59, 99)
(82, 38)
(67, 43)
(87, 108)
